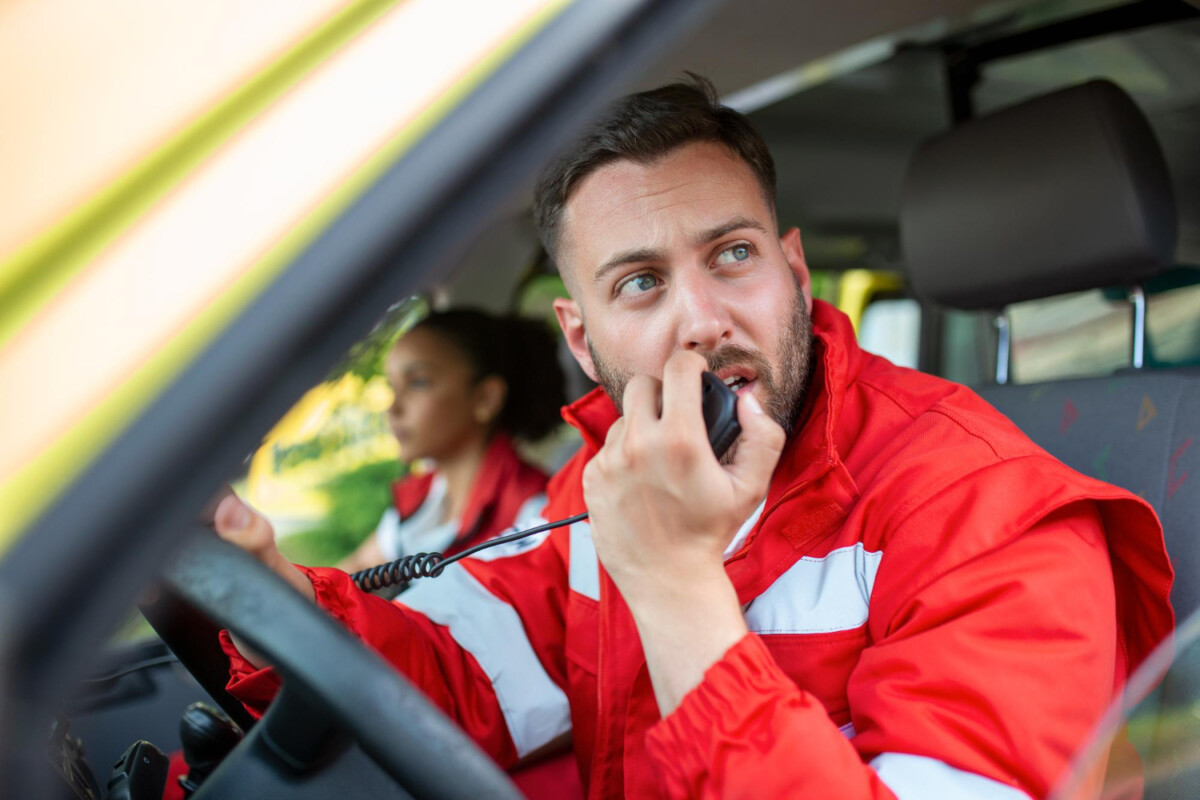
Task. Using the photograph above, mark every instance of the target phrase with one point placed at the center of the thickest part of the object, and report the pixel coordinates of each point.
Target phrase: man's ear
(570, 319)
(793, 251)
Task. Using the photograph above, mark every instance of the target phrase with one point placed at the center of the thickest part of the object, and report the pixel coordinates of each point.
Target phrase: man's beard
(784, 384)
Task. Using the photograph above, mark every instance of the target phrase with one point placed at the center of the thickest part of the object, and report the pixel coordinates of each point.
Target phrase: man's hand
(663, 511)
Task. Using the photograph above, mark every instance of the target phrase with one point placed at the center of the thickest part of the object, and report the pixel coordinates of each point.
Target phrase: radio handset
(719, 406)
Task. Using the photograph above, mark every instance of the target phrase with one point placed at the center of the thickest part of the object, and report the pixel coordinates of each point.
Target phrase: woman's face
(437, 409)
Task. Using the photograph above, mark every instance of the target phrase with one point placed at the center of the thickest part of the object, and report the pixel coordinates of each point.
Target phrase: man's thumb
(759, 445)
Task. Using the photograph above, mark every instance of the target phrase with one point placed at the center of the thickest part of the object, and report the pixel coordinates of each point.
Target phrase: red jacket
(503, 485)
(938, 608)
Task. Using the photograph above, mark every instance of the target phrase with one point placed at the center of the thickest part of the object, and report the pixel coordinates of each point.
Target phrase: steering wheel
(332, 673)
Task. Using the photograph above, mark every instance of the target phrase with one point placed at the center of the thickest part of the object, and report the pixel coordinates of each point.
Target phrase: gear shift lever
(208, 736)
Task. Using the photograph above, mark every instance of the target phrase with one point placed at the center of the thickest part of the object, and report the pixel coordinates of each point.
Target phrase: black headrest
(1062, 193)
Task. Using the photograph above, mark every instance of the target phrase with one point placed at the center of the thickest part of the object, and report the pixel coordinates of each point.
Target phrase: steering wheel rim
(396, 726)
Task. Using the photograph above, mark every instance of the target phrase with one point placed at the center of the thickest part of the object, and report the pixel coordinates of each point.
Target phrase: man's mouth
(736, 381)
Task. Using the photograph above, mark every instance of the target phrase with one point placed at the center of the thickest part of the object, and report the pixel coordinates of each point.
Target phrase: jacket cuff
(738, 694)
(738, 676)
(256, 687)
(252, 686)
(331, 586)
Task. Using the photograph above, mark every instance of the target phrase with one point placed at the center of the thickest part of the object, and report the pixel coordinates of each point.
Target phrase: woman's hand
(236, 522)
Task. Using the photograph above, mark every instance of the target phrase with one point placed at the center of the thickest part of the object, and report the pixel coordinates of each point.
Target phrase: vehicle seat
(1064, 193)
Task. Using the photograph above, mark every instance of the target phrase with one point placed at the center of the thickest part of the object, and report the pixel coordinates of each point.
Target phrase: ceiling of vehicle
(750, 41)
(864, 85)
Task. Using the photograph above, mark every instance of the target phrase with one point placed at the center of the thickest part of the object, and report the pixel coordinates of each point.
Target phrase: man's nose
(704, 321)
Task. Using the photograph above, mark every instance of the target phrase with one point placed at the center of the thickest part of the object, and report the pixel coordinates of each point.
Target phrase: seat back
(1138, 431)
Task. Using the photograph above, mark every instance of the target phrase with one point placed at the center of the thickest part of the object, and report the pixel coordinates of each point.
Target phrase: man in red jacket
(884, 591)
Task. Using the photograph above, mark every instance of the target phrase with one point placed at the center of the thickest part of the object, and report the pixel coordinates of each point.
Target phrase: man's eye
(638, 284)
(732, 255)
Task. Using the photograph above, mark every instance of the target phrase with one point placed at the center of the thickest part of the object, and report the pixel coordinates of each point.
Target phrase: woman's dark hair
(521, 351)
(643, 128)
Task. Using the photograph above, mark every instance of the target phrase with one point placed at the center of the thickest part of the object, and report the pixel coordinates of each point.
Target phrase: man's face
(683, 254)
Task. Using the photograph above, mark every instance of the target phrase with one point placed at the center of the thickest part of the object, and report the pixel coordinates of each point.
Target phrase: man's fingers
(641, 399)
(681, 388)
(758, 447)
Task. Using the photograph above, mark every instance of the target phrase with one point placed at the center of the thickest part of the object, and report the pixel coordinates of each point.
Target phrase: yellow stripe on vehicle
(34, 482)
(32, 276)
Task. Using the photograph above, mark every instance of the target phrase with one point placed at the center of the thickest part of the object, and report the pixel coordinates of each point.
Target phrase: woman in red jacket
(466, 385)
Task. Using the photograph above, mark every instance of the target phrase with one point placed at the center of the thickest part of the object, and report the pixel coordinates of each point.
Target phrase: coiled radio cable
(430, 565)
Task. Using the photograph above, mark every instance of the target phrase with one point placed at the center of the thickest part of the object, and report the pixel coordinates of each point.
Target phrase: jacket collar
(409, 493)
(592, 415)
(836, 360)
(500, 461)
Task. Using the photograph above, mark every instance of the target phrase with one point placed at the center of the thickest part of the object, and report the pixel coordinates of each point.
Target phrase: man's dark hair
(645, 127)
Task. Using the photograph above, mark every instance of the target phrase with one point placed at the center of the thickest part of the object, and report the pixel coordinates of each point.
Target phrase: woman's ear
(490, 394)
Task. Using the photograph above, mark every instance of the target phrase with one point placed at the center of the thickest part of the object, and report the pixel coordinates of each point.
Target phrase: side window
(1079, 335)
(1173, 317)
(968, 348)
(892, 329)
(1069, 336)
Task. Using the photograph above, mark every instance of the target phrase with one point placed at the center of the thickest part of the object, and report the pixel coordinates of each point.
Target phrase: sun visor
(1062, 193)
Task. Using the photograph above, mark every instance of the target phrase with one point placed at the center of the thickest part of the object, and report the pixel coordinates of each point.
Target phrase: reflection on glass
(322, 473)
(1148, 744)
